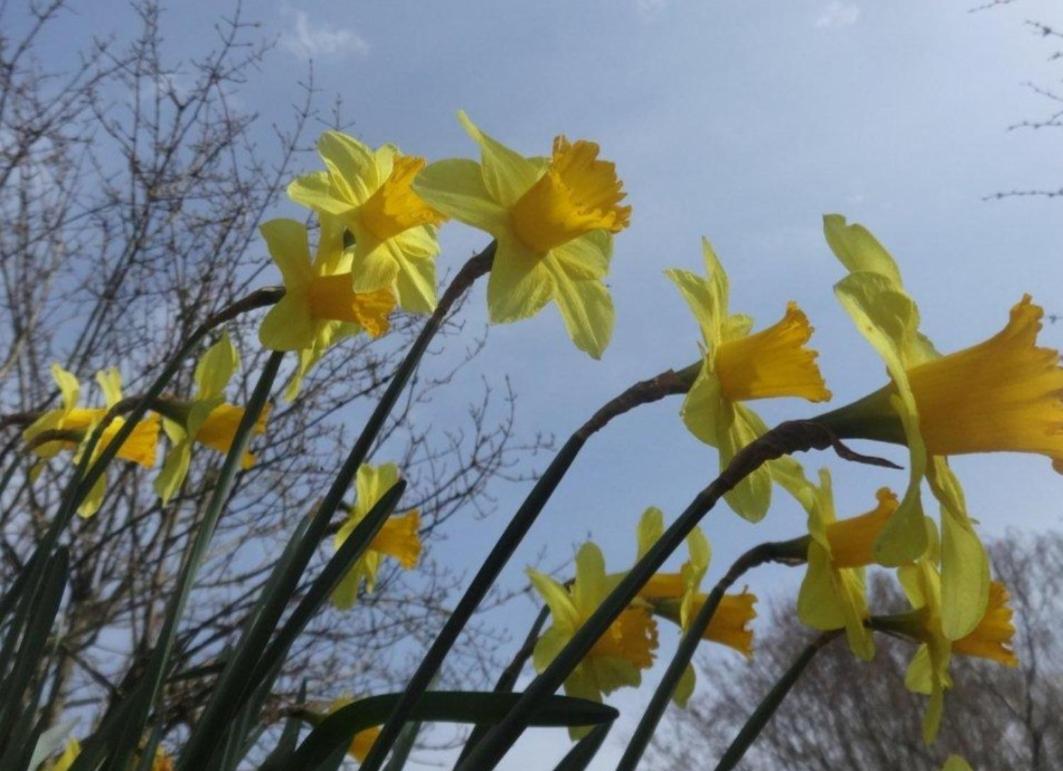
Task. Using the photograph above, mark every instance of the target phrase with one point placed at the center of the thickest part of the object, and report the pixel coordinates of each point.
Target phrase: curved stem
(764, 711)
(792, 552)
(786, 438)
(644, 392)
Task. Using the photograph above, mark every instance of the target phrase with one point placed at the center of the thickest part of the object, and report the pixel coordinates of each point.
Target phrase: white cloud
(650, 8)
(838, 14)
(309, 41)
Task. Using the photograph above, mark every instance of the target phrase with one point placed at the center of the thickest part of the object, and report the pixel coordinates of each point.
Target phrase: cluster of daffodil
(552, 219)
(1004, 394)
(205, 419)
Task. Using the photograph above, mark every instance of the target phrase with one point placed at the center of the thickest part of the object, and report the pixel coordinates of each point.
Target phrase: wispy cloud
(310, 41)
(650, 8)
(838, 14)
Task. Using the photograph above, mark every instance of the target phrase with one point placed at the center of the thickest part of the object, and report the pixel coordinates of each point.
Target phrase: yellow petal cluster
(552, 221)
(398, 538)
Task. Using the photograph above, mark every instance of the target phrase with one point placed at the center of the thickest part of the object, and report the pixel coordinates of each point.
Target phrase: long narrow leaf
(580, 756)
(644, 392)
(250, 666)
(339, 728)
(155, 672)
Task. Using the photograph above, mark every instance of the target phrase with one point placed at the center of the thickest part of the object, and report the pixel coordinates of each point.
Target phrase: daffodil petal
(817, 603)
(703, 407)
(586, 257)
(684, 689)
(556, 597)
(288, 246)
(216, 367)
(455, 187)
(519, 284)
(350, 164)
(650, 528)
(590, 587)
(752, 496)
(69, 387)
(507, 175)
(964, 577)
(415, 282)
(587, 310)
(315, 191)
(174, 471)
(287, 326)
(858, 250)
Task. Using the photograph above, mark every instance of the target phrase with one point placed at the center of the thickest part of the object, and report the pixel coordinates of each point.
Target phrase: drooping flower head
(399, 538)
(623, 651)
(833, 594)
(552, 219)
(370, 194)
(207, 419)
(937, 405)
(928, 672)
(77, 424)
(738, 366)
(319, 303)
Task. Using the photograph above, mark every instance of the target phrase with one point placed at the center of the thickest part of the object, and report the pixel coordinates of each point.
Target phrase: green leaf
(580, 756)
(339, 728)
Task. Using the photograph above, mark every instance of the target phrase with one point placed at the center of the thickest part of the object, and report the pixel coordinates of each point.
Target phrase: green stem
(645, 392)
(764, 711)
(196, 755)
(788, 437)
(792, 552)
(510, 674)
(158, 663)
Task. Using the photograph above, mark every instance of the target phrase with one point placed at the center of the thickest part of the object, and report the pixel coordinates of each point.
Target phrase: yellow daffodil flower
(928, 672)
(319, 297)
(930, 401)
(207, 419)
(955, 763)
(369, 192)
(66, 759)
(79, 422)
(833, 594)
(363, 741)
(665, 585)
(552, 219)
(162, 761)
(399, 538)
(737, 367)
(623, 651)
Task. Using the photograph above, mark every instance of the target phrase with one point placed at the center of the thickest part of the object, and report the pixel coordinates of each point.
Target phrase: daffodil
(999, 395)
(207, 419)
(319, 303)
(66, 759)
(364, 740)
(552, 219)
(77, 423)
(928, 672)
(678, 596)
(369, 192)
(620, 654)
(665, 585)
(832, 594)
(399, 537)
(738, 366)
(672, 588)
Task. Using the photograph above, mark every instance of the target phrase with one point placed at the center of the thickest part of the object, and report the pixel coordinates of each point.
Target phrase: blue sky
(743, 122)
